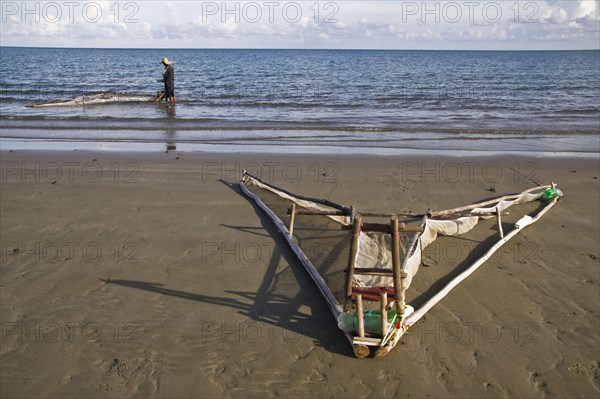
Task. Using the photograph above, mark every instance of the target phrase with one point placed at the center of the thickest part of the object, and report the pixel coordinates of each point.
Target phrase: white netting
(372, 255)
(344, 220)
(373, 251)
(95, 99)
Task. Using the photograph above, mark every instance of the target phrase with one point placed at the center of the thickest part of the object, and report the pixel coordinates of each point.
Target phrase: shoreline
(149, 148)
(151, 275)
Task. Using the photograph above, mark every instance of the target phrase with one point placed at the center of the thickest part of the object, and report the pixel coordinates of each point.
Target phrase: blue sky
(452, 25)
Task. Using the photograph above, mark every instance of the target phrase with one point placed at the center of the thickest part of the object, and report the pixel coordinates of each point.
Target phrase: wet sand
(152, 276)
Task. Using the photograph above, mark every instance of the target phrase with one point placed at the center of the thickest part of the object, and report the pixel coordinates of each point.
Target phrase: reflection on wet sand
(170, 134)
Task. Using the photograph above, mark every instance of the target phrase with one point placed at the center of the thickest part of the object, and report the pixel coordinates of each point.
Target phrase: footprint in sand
(119, 367)
(589, 370)
(535, 378)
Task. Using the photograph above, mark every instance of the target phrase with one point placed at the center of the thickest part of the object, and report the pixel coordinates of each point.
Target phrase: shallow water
(448, 100)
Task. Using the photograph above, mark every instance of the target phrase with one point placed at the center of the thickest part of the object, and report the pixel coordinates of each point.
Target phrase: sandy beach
(150, 275)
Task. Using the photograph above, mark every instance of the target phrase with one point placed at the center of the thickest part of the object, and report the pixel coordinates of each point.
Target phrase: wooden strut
(399, 294)
(360, 316)
(499, 218)
(292, 218)
(384, 350)
(388, 214)
(373, 271)
(317, 213)
(356, 226)
(383, 311)
(385, 228)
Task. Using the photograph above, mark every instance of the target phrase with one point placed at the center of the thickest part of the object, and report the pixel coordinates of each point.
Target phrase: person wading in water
(169, 80)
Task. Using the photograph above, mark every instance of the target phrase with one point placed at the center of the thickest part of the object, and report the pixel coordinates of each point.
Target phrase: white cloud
(376, 24)
(230, 25)
(558, 16)
(173, 12)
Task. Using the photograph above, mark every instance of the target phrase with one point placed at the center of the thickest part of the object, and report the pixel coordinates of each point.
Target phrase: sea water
(360, 101)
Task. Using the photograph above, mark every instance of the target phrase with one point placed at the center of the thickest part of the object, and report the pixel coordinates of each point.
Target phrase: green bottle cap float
(550, 193)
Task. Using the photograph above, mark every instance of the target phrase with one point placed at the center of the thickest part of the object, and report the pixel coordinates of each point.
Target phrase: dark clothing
(169, 79)
(169, 91)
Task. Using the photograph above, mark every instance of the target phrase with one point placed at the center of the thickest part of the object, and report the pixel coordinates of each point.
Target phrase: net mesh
(323, 233)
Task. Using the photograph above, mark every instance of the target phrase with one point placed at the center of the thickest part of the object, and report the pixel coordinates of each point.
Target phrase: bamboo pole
(360, 317)
(318, 213)
(373, 271)
(388, 214)
(499, 218)
(398, 283)
(414, 317)
(385, 228)
(332, 303)
(369, 341)
(361, 351)
(270, 186)
(352, 258)
(382, 351)
(485, 203)
(292, 218)
(383, 311)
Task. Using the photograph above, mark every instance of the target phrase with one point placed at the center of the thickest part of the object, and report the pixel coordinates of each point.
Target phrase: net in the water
(96, 99)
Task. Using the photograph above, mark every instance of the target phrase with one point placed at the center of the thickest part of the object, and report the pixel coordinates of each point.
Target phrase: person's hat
(165, 61)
